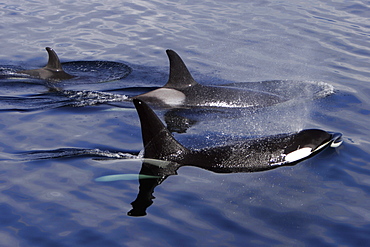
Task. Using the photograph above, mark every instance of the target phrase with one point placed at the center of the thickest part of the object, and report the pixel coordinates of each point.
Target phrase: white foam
(227, 104)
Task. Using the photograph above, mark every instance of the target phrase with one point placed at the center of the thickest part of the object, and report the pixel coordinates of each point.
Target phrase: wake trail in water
(74, 152)
(51, 100)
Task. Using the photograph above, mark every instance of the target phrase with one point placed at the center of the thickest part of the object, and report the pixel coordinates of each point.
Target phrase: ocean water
(58, 138)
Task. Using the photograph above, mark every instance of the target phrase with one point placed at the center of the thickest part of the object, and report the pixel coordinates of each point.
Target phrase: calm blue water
(47, 201)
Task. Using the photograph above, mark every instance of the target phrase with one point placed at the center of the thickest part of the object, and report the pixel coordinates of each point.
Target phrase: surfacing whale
(182, 90)
(52, 71)
(251, 155)
(248, 156)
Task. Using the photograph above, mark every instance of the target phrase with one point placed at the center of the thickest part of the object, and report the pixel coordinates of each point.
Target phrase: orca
(52, 71)
(251, 155)
(181, 90)
(255, 154)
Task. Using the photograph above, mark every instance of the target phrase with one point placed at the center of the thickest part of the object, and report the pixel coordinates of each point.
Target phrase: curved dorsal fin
(53, 62)
(52, 71)
(180, 76)
(157, 140)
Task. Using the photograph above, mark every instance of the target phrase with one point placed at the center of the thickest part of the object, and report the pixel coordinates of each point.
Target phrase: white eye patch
(298, 154)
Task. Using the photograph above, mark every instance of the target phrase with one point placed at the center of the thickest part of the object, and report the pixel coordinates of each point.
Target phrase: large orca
(52, 71)
(182, 90)
(251, 155)
(247, 156)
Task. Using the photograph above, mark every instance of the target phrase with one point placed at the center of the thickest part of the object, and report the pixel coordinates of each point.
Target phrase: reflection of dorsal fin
(53, 62)
(157, 140)
(180, 76)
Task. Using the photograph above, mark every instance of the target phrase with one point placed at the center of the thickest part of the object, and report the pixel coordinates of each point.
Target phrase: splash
(87, 98)
(287, 117)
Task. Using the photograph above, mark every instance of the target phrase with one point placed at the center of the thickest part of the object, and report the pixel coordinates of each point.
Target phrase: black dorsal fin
(53, 62)
(157, 140)
(180, 76)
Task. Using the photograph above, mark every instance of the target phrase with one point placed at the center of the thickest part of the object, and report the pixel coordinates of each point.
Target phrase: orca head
(308, 142)
(52, 71)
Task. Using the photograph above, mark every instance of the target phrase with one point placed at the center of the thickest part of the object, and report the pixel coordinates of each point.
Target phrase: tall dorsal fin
(180, 76)
(157, 140)
(53, 62)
